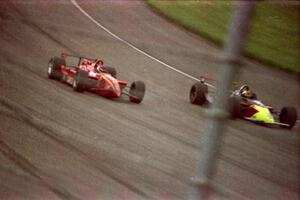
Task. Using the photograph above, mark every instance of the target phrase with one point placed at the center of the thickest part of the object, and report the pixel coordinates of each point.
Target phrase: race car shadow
(260, 130)
(122, 99)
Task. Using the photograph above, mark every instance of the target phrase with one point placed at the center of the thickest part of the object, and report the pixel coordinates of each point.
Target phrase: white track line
(132, 46)
(135, 48)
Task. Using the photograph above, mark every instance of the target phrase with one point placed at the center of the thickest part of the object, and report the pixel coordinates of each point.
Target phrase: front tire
(54, 66)
(137, 91)
(80, 81)
(288, 115)
(198, 93)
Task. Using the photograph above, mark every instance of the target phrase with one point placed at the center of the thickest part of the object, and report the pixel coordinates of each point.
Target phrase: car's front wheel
(80, 81)
(288, 115)
(137, 91)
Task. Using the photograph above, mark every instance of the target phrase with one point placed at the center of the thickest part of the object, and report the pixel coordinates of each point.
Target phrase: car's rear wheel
(64, 78)
(80, 81)
(234, 107)
(288, 115)
(111, 70)
(54, 66)
(198, 93)
(137, 91)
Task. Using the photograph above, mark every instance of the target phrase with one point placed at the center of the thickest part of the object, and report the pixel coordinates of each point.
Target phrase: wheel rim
(283, 116)
(75, 83)
(132, 89)
(50, 66)
(193, 93)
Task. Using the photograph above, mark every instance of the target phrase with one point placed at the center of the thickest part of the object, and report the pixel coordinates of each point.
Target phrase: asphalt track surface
(59, 144)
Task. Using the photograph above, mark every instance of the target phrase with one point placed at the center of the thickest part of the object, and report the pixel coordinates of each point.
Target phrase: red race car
(91, 75)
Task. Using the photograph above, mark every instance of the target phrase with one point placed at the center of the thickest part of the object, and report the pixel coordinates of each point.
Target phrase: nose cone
(263, 115)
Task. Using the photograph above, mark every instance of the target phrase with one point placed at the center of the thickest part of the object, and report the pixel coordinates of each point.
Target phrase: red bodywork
(248, 111)
(102, 82)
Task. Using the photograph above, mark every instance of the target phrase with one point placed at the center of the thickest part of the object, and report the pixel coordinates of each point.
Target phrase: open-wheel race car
(91, 75)
(243, 103)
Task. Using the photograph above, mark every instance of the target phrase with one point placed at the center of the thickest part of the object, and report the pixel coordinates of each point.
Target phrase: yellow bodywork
(263, 114)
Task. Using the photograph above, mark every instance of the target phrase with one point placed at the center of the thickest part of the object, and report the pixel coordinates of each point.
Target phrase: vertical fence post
(212, 137)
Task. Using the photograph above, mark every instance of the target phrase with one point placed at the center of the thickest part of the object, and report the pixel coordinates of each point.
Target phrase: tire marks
(21, 114)
(21, 161)
(25, 165)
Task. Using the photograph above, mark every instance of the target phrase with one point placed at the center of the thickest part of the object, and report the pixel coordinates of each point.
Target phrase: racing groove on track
(59, 144)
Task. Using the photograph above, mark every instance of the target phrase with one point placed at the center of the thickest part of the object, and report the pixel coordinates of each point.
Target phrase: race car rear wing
(64, 55)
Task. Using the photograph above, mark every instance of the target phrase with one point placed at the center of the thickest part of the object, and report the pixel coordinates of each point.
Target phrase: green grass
(274, 36)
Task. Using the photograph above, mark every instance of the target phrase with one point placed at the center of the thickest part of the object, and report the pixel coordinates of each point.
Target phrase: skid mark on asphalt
(22, 115)
(269, 177)
(23, 20)
(24, 164)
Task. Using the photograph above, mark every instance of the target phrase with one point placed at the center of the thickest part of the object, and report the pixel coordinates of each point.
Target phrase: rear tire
(80, 81)
(63, 78)
(288, 115)
(234, 107)
(198, 93)
(137, 91)
(54, 67)
(111, 70)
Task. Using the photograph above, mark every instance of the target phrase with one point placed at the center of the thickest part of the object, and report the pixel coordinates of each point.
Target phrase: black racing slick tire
(63, 78)
(234, 107)
(288, 115)
(111, 70)
(137, 91)
(198, 93)
(80, 81)
(54, 66)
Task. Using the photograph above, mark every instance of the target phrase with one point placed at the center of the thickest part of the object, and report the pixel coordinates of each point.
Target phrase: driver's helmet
(98, 61)
(246, 92)
(98, 65)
